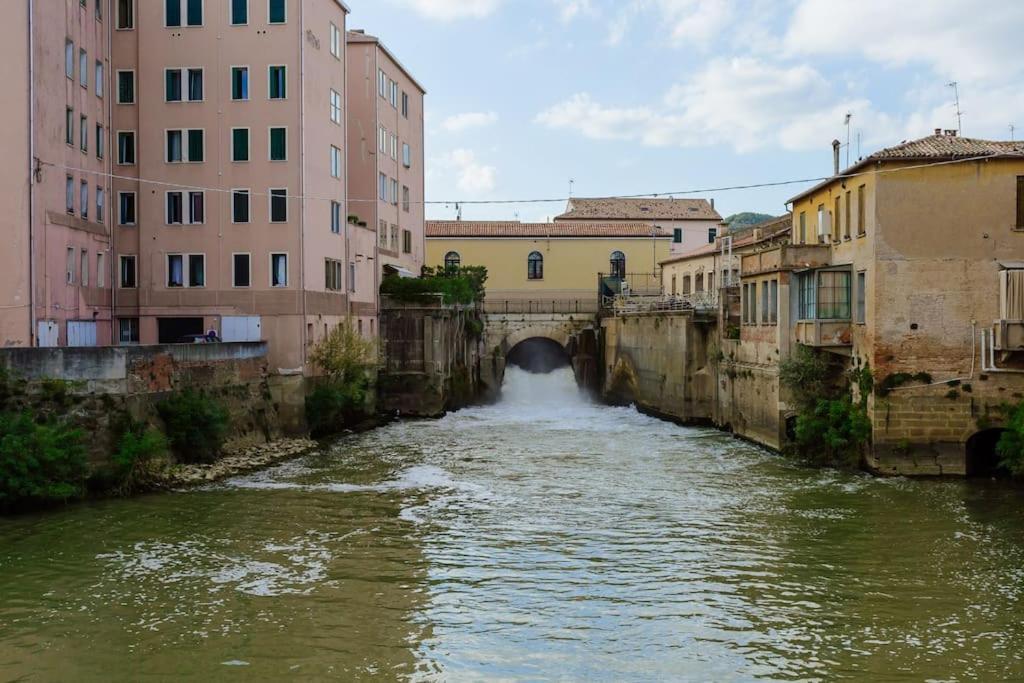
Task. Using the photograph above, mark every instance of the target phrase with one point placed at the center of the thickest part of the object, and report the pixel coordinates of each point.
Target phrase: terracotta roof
(442, 229)
(613, 208)
(938, 147)
(765, 231)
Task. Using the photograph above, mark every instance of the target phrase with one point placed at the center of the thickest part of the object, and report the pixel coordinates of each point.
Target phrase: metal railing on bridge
(541, 306)
(631, 304)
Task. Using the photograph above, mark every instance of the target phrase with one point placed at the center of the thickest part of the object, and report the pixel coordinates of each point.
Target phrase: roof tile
(614, 208)
(443, 229)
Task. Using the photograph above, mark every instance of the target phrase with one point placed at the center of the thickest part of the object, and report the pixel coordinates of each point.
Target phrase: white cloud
(449, 10)
(957, 38)
(688, 22)
(471, 176)
(743, 103)
(461, 122)
(570, 9)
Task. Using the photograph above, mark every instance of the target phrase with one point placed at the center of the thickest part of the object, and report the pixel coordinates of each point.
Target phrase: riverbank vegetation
(831, 429)
(347, 361)
(463, 285)
(1010, 447)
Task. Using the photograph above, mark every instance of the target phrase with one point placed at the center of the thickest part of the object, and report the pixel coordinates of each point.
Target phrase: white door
(48, 334)
(81, 333)
(241, 329)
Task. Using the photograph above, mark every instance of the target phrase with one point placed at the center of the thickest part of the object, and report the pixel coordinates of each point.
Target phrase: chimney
(938, 131)
(712, 203)
(951, 133)
(835, 156)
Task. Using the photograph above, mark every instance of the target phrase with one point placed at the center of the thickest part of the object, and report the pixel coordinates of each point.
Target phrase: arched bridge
(509, 326)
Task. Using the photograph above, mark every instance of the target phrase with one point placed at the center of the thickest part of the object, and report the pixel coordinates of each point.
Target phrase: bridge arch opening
(538, 355)
(982, 459)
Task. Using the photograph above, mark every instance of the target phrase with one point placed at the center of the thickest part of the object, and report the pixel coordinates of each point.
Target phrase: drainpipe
(302, 178)
(108, 166)
(32, 341)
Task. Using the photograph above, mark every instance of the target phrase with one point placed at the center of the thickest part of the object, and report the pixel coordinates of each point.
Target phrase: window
(69, 194)
(618, 265)
(192, 10)
(125, 15)
(1020, 202)
(846, 217)
(687, 287)
(535, 266)
(99, 10)
(394, 238)
(278, 205)
(241, 270)
(185, 146)
(698, 282)
(335, 162)
(712, 235)
(69, 126)
(382, 83)
(394, 147)
(277, 88)
(833, 295)
(69, 270)
(101, 272)
(711, 282)
(84, 199)
(394, 192)
(807, 303)
(83, 134)
(407, 241)
(405, 199)
(336, 218)
(279, 270)
(101, 142)
(452, 260)
(85, 268)
(335, 41)
(240, 83)
(803, 227)
(276, 12)
(674, 290)
(336, 107)
(405, 104)
(186, 270)
(128, 330)
(185, 208)
(239, 12)
(677, 235)
(1011, 294)
(183, 85)
(382, 189)
(197, 270)
(862, 226)
(240, 206)
(836, 232)
(101, 205)
(128, 272)
(195, 85)
(382, 234)
(773, 302)
(83, 68)
(765, 302)
(99, 76)
(126, 148)
(406, 155)
(394, 94)
(126, 208)
(862, 292)
(382, 140)
(239, 145)
(126, 87)
(332, 275)
(278, 144)
(69, 58)
(822, 224)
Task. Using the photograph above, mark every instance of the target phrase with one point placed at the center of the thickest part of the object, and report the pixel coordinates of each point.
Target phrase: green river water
(544, 538)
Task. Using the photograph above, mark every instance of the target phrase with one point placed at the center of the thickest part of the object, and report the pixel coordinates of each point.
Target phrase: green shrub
(810, 377)
(132, 463)
(344, 353)
(39, 462)
(455, 285)
(834, 433)
(1011, 444)
(196, 425)
(336, 403)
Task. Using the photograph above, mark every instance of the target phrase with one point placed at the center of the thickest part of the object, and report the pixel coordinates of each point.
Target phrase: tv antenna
(571, 183)
(959, 114)
(1012, 129)
(849, 117)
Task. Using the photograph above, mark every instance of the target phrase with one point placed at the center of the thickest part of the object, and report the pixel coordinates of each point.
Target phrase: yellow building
(548, 262)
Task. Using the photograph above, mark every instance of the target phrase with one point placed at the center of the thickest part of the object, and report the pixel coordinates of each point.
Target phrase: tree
(344, 353)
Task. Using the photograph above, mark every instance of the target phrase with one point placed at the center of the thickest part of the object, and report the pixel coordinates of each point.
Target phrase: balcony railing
(628, 305)
(787, 257)
(540, 306)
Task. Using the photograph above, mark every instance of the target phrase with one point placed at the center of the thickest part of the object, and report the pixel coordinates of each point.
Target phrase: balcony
(1009, 335)
(787, 257)
(824, 333)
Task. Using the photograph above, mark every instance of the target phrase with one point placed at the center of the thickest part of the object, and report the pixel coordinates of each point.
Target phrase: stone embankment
(234, 463)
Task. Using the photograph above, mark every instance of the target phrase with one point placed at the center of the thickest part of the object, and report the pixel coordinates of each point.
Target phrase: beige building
(693, 223)
(385, 154)
(552, 262)
(229, 127)
(55, 284)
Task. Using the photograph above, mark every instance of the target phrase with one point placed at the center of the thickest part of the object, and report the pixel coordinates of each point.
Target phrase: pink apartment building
(230, 209)
(55, 277)
(385, 153)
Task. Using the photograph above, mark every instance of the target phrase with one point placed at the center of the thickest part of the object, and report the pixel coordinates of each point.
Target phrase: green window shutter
(240, 145)
(278, 144)
(172, 12)
(195, 12)
(195, 145)
(239, 11)
(277, 11)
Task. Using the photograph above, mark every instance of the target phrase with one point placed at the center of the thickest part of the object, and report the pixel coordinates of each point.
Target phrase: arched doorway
(981, 458)
(538, 355)
(618, 265)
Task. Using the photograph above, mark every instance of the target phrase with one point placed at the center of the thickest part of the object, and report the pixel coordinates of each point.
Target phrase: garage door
(241, 329)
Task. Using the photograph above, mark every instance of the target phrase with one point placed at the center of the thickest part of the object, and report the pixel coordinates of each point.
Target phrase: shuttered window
(1020, 202)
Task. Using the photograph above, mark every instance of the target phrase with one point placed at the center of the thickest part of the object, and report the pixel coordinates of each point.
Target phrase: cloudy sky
(643, 96)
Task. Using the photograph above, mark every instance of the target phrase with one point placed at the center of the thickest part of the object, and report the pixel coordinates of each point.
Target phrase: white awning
(400, 271)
